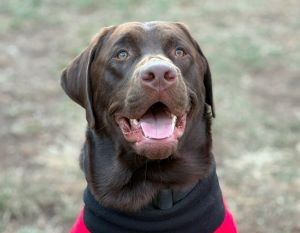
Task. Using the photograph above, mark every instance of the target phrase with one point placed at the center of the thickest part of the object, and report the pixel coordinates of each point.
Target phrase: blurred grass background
(254, 53)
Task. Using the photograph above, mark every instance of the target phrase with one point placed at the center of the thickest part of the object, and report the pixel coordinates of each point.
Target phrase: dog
(147, 92)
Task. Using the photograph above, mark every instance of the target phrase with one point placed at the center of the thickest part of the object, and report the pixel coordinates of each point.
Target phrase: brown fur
(117, 175)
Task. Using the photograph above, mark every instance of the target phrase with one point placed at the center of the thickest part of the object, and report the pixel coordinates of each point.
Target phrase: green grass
(27, 194)
(28, 229)
(20, 12)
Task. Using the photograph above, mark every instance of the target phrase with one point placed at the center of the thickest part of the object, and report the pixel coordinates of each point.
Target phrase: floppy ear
(207, 82)
(207, 75)
(76, 80)
(208, 86)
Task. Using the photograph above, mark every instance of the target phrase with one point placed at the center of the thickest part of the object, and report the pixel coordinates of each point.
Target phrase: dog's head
(145, 85)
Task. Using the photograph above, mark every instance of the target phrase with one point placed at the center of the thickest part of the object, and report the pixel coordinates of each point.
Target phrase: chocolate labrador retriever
(147, 92)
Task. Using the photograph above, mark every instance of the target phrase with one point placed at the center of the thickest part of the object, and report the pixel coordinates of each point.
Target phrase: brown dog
(147, 92)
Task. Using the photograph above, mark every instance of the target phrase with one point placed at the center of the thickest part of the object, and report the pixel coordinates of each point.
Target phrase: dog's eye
(122, 55)
(179, 52)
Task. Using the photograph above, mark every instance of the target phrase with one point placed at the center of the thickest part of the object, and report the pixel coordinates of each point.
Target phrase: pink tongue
(157, 125)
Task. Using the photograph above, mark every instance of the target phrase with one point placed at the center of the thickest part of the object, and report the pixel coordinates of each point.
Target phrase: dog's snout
(158, 75)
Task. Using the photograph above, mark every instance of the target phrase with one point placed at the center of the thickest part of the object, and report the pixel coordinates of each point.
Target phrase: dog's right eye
(179, 52)
(122, 55)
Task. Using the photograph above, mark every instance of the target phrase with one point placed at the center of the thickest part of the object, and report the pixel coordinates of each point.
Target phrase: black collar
(201, 210)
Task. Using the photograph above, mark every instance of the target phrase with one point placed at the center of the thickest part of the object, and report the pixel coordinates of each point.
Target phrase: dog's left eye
(122, 55)
(179, 52)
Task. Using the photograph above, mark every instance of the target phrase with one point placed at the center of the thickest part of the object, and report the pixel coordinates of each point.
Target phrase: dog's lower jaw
(159, 151)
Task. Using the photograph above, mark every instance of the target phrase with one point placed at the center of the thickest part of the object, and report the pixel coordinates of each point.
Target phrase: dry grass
(254, 54)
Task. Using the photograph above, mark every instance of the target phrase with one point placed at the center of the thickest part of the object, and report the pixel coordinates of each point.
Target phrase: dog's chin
(156, 149)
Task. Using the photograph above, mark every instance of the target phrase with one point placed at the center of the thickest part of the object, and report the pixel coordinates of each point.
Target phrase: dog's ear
(208, 86)
(207, 75)
(76, 80)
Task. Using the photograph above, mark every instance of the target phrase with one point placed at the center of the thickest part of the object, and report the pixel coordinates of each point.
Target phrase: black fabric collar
(167, 198)
(200, 211)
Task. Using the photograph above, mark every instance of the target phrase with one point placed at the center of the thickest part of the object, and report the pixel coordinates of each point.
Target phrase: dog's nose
(158, 75)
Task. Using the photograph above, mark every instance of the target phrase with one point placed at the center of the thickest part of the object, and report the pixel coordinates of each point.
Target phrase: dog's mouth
(155, 134)
(157, 123)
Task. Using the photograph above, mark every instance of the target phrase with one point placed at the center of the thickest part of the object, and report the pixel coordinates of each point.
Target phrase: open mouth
(157, 123)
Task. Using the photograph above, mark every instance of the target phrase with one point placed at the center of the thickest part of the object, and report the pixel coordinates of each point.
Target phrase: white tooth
(174, 118)
(134, 122)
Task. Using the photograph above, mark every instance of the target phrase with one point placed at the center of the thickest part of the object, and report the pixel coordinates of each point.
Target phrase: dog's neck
(199, 210)
(117, 176)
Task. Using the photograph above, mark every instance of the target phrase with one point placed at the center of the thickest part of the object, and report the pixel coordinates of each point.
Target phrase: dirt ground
(254, 52)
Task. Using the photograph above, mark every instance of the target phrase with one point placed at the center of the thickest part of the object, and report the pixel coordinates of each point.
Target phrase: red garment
(228, 225)
(79, 226)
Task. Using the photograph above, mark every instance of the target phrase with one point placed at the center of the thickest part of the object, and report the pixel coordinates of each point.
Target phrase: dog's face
(144, 85)
(146, 88)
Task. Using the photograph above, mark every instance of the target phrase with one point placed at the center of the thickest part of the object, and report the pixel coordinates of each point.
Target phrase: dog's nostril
(148, 76)
(170, 75)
